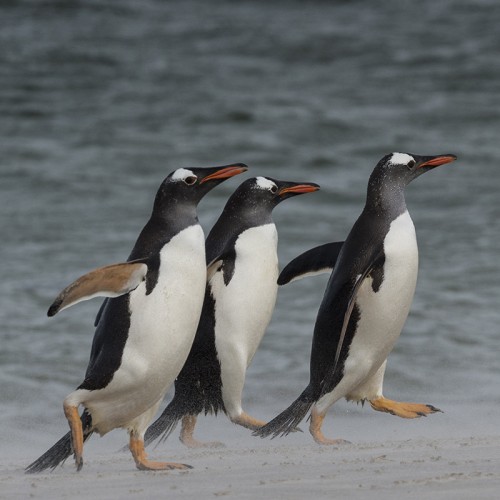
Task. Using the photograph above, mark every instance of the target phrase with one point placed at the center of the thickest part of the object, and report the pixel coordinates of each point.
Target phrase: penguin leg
(403, 410)
(371, 390)
(186, 436)
(233, 381)
(315, 429)
(136, 445)
(75, 425)
(247, 421)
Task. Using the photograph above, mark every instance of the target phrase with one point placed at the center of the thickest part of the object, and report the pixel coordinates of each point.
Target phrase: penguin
(147, 324)
(240, 297)
(366, 302)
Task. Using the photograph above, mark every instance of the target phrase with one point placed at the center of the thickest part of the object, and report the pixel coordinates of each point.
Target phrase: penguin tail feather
(164, 425)
(288, 420)
(189, 399)
(57, 454)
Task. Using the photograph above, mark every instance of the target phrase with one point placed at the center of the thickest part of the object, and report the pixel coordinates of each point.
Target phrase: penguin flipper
(351, 300)
(317, 260)
(99, 313)
(108, 281)
(213, 267)
(225, 261)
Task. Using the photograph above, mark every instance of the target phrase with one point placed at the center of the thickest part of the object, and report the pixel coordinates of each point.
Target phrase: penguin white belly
(382, 313)
(162, 329)
(244, 307)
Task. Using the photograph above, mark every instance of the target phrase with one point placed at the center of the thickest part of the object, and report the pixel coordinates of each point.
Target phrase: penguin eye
(190, 180)
(411, 164)
(274, 189)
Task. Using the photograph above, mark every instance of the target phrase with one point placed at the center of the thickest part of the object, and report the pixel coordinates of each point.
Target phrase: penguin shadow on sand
(366, 302)
(147, 324)
(240, 296)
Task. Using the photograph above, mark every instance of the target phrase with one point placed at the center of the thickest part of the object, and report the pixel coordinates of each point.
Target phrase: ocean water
(100, 100)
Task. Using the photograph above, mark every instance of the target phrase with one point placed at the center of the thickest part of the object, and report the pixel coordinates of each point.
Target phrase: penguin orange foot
(247, 421)
(315, 430)
(403, 410)
(136, 446)
(75, 424)
(186, 436)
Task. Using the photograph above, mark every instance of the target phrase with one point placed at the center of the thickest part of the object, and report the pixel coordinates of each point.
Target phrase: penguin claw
(433, 409)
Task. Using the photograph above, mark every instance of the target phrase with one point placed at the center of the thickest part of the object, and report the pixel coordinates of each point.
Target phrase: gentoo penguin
(239, 300)
(145, 330)
(366, 302)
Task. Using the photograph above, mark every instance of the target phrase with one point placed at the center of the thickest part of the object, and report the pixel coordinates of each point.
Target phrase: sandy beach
(436, 457)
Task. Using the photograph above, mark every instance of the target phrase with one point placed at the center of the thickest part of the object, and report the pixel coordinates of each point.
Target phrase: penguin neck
(174, 214)
(254, 211)
(385, 196)
(161, 228)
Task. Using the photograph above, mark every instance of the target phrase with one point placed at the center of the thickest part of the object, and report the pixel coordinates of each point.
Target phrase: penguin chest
(164, 322)
(384, 305)
(162, 328)
(244, 304)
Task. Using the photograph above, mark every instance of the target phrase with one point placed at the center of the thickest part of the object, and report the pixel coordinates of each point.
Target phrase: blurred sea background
(100, 100)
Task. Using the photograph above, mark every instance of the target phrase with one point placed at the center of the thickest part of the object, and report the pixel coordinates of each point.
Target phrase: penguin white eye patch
(183, 174)
(264, 183)
(401, 159)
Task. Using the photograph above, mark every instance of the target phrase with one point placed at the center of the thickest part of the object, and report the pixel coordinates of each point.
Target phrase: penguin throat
(249, 214)
(385, 196)
(174, 212)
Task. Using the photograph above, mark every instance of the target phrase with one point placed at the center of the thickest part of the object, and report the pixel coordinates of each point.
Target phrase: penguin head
(259, 195)
(186, 187)
(400, 169)
(393, 173)
(255, 198)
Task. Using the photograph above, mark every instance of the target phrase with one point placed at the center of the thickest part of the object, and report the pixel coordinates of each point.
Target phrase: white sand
(448, 455)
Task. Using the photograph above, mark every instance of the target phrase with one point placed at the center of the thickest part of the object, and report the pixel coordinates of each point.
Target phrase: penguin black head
(259, 195)
(395, 171)
(186, 187)
(402, 168)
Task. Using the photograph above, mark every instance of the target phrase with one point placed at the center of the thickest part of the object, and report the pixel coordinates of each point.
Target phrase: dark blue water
(100, 100)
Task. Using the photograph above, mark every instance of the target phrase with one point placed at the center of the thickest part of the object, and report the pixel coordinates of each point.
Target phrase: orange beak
(438, 160)
(299, 188)
(226, 172)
